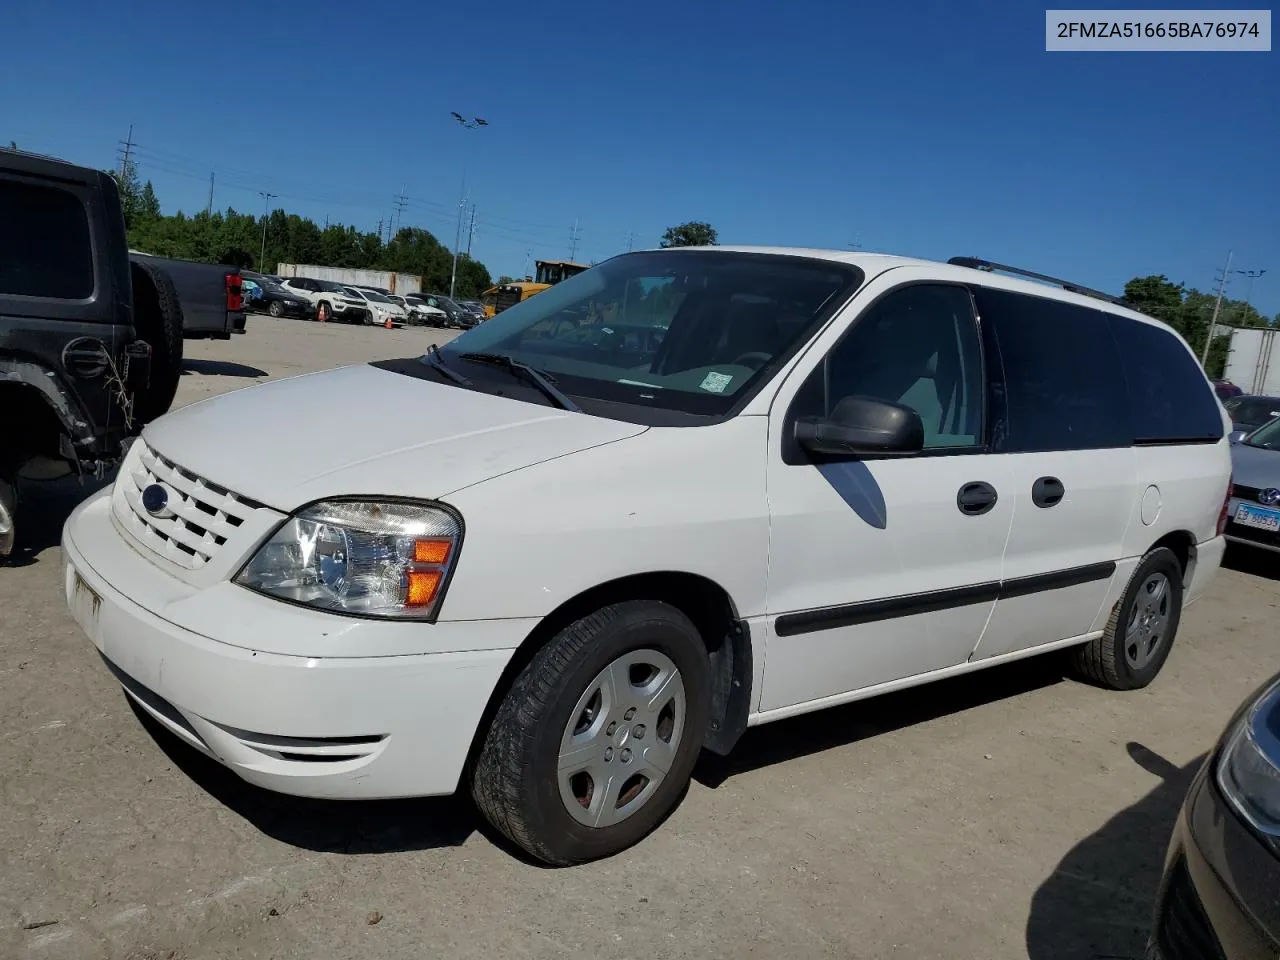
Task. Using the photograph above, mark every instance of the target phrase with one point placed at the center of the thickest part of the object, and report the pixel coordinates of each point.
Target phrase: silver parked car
(1248, 413)
(1253, 514)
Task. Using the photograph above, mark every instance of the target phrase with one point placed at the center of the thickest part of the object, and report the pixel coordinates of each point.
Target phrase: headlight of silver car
(363, 557)
(1249, 768)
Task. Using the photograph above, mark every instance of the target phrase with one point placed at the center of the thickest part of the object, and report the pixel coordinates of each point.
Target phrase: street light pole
(466, 123)
(1250, 275)
(266, 203)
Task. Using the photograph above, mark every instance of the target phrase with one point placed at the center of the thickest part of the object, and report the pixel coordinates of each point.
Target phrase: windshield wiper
(544, 382)
(432, 359)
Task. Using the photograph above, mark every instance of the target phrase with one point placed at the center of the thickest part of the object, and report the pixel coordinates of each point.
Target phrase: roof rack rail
(990, 267)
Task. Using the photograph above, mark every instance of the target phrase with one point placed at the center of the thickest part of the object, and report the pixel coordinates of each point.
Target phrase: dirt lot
(1012, 814)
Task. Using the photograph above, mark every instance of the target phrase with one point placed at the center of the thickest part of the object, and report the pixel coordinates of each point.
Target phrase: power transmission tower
(400, 204)
(379, 229)
(573, 239)
(208, 211)
(471, 231)
(124, 160)
(631, 239)
(1222, 286)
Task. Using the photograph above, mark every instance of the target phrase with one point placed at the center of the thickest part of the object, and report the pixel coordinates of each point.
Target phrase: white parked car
(329, 300)
(382, 309)
(685, 492)
(420, 311)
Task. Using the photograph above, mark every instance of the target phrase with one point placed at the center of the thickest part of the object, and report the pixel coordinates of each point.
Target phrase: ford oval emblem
(1269, 497)
(155, 500)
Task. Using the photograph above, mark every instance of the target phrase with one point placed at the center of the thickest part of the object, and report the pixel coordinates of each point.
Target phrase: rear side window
(1170, 400)
(45, 248)
(1058, 384)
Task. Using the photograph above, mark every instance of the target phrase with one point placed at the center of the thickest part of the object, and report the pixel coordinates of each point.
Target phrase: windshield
(681, 330)
(1253, 409)
(1267, 436)
(374, 296)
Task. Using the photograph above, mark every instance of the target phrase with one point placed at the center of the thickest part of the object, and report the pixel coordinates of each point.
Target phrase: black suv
(82, 365)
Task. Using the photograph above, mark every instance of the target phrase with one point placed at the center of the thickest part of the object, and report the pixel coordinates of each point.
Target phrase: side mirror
(863, 426)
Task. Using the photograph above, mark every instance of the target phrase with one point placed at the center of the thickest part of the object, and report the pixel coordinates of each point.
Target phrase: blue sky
(929, 129)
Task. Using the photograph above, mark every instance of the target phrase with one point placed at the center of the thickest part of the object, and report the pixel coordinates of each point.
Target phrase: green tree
(126, 179)
(148, 204)
(695, 233)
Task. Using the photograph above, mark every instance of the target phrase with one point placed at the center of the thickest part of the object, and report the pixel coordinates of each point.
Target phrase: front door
(882, 569)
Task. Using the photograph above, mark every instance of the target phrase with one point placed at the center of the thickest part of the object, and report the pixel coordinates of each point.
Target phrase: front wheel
(275, 309)
(595, 742)
(1136, 642)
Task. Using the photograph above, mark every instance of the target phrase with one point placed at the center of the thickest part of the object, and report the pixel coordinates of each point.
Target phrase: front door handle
(975, 499)
(1047, 492)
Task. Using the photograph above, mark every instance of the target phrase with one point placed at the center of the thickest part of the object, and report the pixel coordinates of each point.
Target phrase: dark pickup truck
(90, 341)
(209, 295)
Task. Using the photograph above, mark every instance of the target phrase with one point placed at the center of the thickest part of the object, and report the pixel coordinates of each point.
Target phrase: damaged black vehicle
(90, 343)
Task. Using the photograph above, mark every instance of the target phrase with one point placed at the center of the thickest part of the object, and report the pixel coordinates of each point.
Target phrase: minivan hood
(360, 430)
(1254, 466)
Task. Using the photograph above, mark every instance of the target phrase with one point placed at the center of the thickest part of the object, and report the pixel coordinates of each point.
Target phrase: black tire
(157, 318)
(8, 510)
(515, 782)
(275, 309)
(1105, 661)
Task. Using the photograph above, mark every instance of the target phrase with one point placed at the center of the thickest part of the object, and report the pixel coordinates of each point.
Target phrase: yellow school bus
(549, 272)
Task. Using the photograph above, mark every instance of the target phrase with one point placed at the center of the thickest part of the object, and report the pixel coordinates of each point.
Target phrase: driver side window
(917, 346)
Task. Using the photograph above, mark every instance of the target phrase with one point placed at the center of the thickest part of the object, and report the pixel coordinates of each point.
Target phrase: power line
(471, 233)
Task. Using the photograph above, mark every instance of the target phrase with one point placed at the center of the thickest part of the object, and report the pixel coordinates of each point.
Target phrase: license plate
(84, 603)
(1258, 517)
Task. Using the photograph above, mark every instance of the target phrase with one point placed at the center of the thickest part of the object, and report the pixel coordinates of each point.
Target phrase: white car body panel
(556, 503)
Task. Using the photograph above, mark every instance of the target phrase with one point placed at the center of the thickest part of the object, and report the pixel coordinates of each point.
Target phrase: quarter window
(917, 346)
(52, 255)
(1058, 384)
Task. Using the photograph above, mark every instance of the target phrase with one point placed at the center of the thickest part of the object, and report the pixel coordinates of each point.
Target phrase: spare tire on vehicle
(157, 319)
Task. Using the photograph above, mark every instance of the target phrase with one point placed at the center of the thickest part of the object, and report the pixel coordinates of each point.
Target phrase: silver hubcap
(621, 739)
(1148, 622)
(6, 530)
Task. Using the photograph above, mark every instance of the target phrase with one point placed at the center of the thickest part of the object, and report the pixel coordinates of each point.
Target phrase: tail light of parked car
(1226, 505)
(235, 293)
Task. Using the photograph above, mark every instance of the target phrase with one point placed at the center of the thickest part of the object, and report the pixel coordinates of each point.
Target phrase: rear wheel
(1138, 637)
(596, 740)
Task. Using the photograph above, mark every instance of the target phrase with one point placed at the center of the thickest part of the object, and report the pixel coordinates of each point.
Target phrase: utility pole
(208, 210)
(471, 232)
(379, 229)
(573, 240)
(1222, 286)
(266, 214)
(124, 160)
(631, 239)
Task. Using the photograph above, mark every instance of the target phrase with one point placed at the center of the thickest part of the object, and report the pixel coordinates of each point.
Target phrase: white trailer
(1253, 360)
(401, 283)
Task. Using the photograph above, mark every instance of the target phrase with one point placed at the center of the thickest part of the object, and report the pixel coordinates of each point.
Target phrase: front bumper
(1219, 898)
(334, 726)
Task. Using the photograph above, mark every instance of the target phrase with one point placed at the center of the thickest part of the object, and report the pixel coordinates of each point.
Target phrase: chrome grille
(203, 516)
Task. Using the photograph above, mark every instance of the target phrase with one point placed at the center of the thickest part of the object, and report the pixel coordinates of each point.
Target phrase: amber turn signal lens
(422, 588)
(431, 551)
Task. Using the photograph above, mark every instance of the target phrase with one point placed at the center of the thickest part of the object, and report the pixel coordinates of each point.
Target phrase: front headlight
(368, 558)
(1249, 768)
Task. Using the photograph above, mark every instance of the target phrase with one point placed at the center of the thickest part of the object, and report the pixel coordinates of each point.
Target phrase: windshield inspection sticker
(716, 382)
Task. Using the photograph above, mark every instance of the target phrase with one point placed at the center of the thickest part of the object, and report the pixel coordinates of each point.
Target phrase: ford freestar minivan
(685, 492)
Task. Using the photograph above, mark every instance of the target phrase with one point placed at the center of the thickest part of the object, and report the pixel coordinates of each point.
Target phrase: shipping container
(401, 283)
(1253, 360)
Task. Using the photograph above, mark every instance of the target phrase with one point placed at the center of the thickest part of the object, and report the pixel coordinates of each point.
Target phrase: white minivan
(683, 493)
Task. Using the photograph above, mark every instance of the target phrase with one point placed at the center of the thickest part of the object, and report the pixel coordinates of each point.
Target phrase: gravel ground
(1010, 814)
